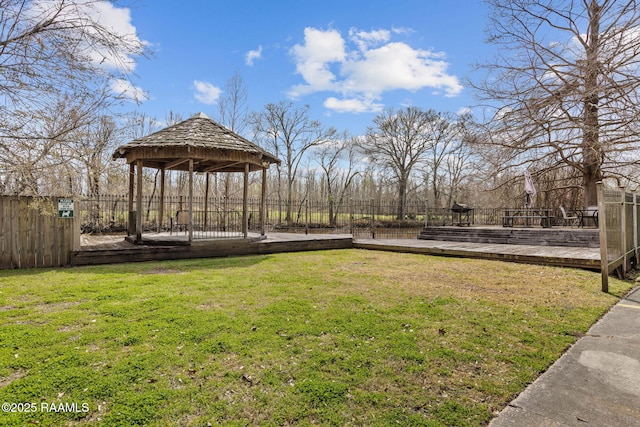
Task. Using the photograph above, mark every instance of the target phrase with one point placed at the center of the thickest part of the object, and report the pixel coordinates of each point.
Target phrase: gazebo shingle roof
(212, 146)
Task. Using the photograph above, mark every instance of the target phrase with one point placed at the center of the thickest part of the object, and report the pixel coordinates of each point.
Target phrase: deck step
(514, 236)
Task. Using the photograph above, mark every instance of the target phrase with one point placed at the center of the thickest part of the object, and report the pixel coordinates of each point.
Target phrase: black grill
(463, 214)
(460, 208)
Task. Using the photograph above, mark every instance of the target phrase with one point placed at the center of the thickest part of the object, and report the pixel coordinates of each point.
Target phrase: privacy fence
(33, 233)
(619, 231)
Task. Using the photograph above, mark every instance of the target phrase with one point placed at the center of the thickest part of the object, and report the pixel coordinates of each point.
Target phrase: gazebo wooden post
(139, 202)
(245, 202)
(190, 201)
(161, 213)
(263, 202)
(206, 200)
(132, 179)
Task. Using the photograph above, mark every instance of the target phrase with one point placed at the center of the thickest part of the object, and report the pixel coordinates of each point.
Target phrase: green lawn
(347, 337)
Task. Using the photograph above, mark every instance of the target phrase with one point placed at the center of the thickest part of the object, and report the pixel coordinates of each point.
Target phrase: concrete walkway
(595, 383)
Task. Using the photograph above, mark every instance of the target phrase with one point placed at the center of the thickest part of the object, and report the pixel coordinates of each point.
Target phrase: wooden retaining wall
(222, 248)
(32, 235)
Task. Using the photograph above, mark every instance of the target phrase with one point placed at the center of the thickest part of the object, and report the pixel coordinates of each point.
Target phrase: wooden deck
(115, 249)
(562, 256)
(110, 249)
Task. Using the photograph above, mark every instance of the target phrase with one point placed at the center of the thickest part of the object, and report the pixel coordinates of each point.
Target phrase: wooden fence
(32, 235)
(619, 231)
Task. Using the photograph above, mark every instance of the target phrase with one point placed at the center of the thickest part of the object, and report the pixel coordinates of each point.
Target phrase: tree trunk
(332, 215)
(591, 150)
(402, 194)
(288, 216)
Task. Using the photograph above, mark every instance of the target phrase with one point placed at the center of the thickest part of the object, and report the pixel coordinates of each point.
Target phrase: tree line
(560, 100)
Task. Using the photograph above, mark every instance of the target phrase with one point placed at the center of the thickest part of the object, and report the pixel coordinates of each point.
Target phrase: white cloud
(365, 39)
(352, 105)
(124, 89)
(252, 55)
(399, 66)
(206, 92)
(402, 30)
(361, 75)
(114, 19)
(117, 20)
(313, 59)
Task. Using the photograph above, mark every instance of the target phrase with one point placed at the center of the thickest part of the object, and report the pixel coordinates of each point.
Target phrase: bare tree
(233, 104)
(447, 134)
(459, 165)
(337, 158)
(93, 147)
(398, 142)
(234, 114)
(48, 46)
(36, 148)
(137, 124)
(290, 133)
(565, 82)
(57, 65)
(89, 151)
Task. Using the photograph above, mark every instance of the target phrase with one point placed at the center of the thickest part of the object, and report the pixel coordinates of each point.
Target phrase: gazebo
(197, 144)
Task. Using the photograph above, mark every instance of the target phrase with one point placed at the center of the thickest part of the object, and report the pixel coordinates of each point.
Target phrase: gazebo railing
(217, 217)
(208, 225)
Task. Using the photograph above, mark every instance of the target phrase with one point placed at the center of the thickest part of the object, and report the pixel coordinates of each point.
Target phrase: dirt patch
(161, 270)
(5, 381)
(56, 306)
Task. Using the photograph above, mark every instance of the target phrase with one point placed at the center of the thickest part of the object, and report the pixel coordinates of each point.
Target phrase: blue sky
(348, 60)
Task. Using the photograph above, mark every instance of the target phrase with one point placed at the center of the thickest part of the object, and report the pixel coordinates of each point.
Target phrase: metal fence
(219, 216)
(619, 231)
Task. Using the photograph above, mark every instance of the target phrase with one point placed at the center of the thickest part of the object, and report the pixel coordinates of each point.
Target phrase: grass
(333, 338)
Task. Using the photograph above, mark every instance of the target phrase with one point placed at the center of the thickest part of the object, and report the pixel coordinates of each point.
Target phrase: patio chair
(568, 220)
(589, 212)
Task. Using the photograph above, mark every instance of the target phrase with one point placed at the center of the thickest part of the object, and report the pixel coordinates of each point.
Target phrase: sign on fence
(65, 208)
(30, 236)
